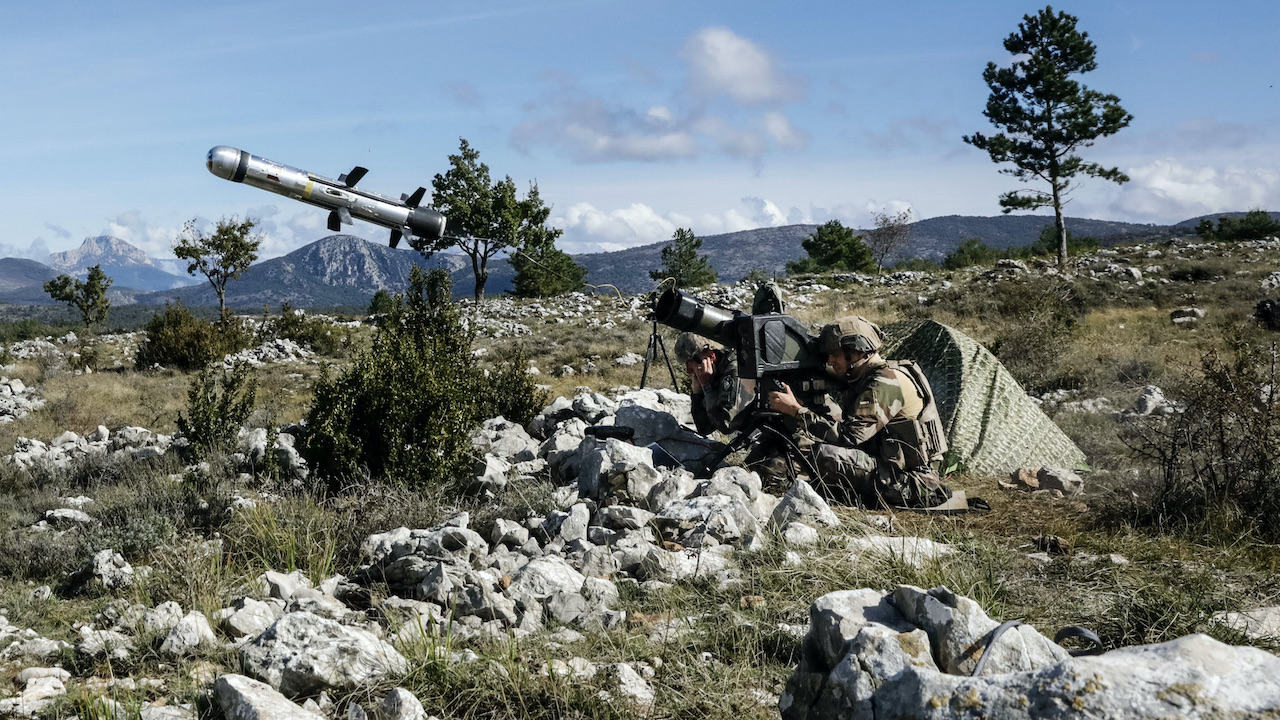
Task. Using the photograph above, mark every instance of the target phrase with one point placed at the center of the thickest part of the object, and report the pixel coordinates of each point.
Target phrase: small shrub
(1042, 321)
(381, 303)
(406, 407)
(1218, 464)
(513, 394)
(178, 339)
(970, 252)
(294, 324)
(917, 264)
(219, 402)
(756, 276)
(1193, 274)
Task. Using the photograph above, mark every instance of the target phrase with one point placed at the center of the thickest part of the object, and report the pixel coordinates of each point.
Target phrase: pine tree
(542, 269)
(1046, 116)
(833, 247)
(681, 262)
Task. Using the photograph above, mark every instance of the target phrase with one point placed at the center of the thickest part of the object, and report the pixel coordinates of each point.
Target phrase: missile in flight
(340, 197)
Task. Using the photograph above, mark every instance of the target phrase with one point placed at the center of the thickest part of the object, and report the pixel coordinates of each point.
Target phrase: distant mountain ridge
(344, 270)
(125, 264)
(335, 270)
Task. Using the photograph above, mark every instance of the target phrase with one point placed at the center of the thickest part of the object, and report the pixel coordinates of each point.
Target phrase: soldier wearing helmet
(718, 398)
(881, 449)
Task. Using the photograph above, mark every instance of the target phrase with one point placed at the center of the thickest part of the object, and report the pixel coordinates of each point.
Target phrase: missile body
(340, 197)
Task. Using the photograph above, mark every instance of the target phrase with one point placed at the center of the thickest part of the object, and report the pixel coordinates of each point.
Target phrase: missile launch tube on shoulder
(340, 197)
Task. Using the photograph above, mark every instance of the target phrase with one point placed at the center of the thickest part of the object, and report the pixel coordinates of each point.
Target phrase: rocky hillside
(127, 265)
(343, 270)
(19, 273)
(336, 270)
(567, 575)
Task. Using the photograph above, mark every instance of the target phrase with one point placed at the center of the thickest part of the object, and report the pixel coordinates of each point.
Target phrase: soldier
(883, 449)
(718, 398)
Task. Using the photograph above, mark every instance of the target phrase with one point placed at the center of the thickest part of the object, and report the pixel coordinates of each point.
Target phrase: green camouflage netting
(993, 427)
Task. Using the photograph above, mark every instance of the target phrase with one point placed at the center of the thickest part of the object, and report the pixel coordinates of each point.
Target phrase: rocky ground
(588, 580)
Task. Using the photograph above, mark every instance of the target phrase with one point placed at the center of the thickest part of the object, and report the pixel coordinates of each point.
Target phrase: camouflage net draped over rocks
(993, 427)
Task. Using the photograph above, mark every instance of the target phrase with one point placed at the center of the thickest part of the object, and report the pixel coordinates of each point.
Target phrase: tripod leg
(650, 352)
(675, 385)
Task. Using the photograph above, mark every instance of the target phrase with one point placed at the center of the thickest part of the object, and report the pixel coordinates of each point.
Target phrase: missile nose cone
(224, 161)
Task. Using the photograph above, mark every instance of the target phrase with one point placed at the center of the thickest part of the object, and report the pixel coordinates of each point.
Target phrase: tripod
(656, 345)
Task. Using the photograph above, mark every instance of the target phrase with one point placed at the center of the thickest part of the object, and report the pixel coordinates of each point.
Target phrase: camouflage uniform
(861, 454)
(718, 405)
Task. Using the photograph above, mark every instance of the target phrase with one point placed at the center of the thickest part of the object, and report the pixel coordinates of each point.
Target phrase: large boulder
(959, 631)
(448, 543)
(618, 469)
(911, 654)
(722, 517)
(504, 439)
(661, 427)
(242, 698)
(803, 504)
(302, 654)
(542, 577)
(1194, 677)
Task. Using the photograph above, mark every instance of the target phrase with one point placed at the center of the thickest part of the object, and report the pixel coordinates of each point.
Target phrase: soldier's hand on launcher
(784, 401)
(704, 369)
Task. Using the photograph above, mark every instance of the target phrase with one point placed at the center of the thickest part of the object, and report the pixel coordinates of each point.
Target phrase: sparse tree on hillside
(381, 303)
(1046, 116)
(542, 269)
(833, 247)
(221, 256)
(681, 261)
(88, 296)
(1255, 225)
(485, 217)
(891, 233)
(971, 252)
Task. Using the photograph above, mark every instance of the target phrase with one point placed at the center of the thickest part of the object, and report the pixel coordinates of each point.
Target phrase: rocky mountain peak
(100, 250)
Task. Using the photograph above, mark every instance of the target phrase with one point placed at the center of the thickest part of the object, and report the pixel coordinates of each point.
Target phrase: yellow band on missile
(306, 192)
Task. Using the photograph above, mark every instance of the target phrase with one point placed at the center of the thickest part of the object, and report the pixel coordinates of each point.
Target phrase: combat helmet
(688, 345)
(851, 333)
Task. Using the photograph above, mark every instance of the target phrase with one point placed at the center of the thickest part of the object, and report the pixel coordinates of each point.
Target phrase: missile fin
(350, 179)
(395, 237)
(345, 216)
(415, 199)
(335, 222)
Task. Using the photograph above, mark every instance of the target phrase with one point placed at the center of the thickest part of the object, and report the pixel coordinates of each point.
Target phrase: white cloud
(592, 132)
(589, 129)
(38, 250)
(765, 213)
(787, 136)
(133, 228)
(721, 62)
(1170, 191)
(589, 229)
(661, 114)
(279, 237)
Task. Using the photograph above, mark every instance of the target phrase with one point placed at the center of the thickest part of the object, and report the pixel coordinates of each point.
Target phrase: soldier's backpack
(924, 432)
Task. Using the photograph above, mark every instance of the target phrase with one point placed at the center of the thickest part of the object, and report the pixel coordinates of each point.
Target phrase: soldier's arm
(701, 419)
(871, 412)
(723, 398)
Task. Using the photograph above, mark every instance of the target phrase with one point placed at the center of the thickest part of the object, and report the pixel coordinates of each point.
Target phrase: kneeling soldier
(718, 398)
(885, 448)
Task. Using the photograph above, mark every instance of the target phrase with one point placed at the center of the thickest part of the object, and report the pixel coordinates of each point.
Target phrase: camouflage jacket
(719, 404)
(866, 409)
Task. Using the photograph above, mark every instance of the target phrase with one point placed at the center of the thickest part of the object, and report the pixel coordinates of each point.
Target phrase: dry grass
(1163, 586)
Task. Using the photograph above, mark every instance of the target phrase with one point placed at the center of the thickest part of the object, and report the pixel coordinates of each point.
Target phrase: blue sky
(634, 118)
